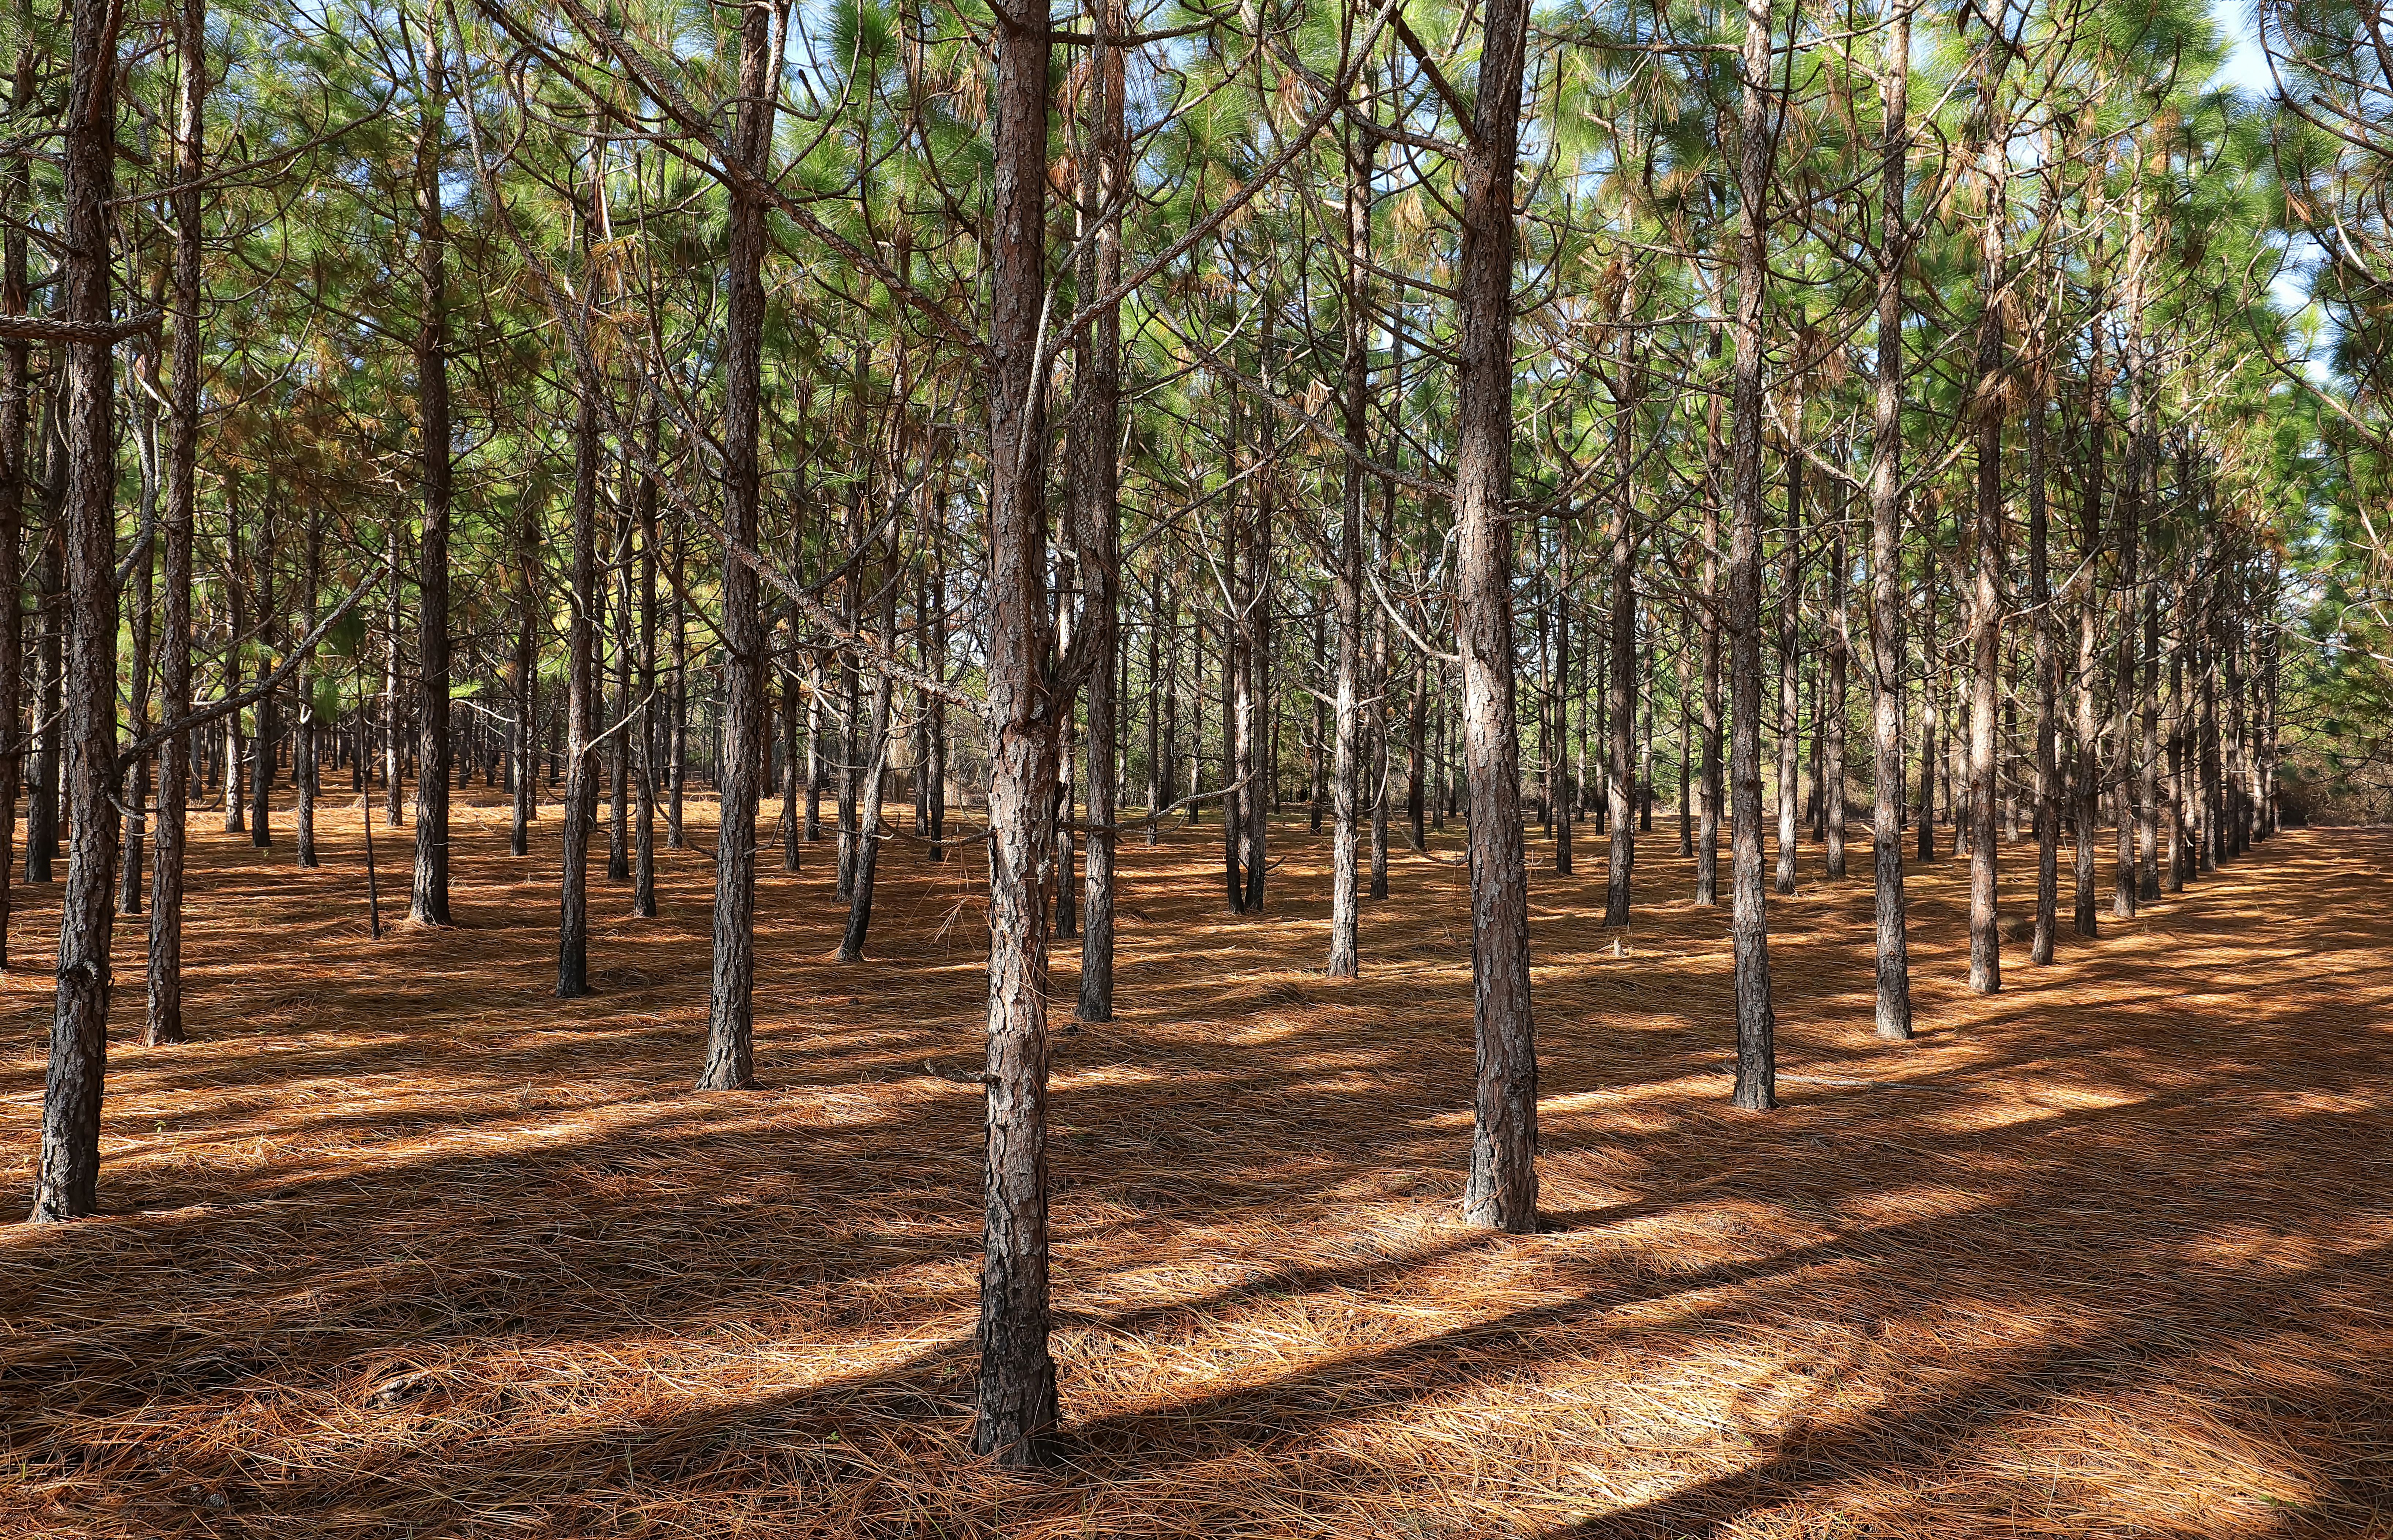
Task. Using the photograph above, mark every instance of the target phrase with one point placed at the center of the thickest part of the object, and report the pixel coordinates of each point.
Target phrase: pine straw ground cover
(401, 1245)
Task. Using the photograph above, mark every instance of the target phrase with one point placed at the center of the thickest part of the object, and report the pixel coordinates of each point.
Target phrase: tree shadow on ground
(405, 1245)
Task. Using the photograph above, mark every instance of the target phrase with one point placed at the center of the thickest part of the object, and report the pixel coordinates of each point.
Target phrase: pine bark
(1502, 1189)
(66, 1180)
(1749, 923)
(428, 897)
(730, 1037)
(1016, 1395)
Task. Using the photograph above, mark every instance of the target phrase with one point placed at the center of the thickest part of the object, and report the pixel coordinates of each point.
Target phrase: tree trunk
(1098, 494)
(16, 370)
(1502, 1191)
(1748, 924)
(643, 844)
(580, 810)
(1790, 612)
(730, 1042)
(303, 748)
(1016, 1395)
(66, 1183)
(1621, 684)
(1986, 610)
(429, 898)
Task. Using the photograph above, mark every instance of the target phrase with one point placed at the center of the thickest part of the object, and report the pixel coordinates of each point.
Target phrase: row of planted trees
(1138, 415)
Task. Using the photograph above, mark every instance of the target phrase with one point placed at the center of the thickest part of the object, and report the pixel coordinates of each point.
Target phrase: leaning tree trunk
(65, 1182)
(1748, 924)
(1502, 1191)
(1016, 1395)
(730, 1023)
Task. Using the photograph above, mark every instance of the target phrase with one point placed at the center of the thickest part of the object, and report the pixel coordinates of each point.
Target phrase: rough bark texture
(1986, 616)
(429, 898)
(1016, 1395)
(730, 1046)
(1749, 923)
(1345, 909)
(1502, 1191)
(1096, 488)
(1620, 697)
(580, 808)
(66, 1180)
(16, 358)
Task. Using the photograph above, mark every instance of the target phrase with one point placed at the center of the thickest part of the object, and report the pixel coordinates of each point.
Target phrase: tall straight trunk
(1354, 315)
(2087, 764)
(2148, 801)
(792, 699)
(1790, 617)
(643, 842)
(1831, 729)
(1685, 747)
(1016, 1395)
(1559, 766)
(2047, 662)
(66, 1181)
(1620, 681)
(1986, 610)
(618, 746)
(133, 793)
(2181, 816)
(262, 742)
(2126, 885)
(730, 1061)
(16, 370)
(393, 708)
(1066, 798)
(1749, 923)
(1261, 767)
(935, 663)
(1096, 486)
(1707, 797)
(580, 810)
(1502, 1191)
(1417, 759)
(1929, 719)
(525, 668)
(1159, 703)
(813, 746)
(303, 745)
(1234, 716)
(237, 607)
(677, 710)
(868, 811)
(429, 898)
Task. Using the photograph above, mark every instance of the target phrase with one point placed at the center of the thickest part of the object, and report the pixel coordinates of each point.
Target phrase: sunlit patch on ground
(403, 1244)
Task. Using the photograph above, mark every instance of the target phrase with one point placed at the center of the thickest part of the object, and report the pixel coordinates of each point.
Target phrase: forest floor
(401, 1245)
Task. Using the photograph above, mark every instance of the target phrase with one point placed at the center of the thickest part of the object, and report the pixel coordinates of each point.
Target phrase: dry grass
(402, 1245)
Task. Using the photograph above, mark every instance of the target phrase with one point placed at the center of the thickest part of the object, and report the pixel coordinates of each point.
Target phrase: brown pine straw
(401, 1245)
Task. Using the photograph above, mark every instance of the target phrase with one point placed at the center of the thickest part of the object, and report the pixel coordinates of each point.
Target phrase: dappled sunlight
(401, 1242)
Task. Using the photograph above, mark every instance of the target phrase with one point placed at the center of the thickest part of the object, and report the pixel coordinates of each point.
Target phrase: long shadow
(1277, 1102)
